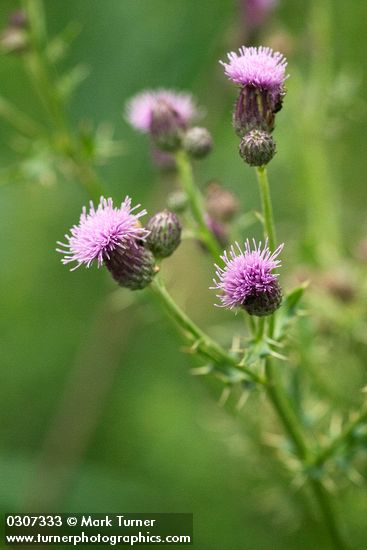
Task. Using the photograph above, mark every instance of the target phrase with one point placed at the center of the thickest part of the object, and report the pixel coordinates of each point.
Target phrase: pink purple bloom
(101, 231)
(247, 279)
(260, 72)
(255, 12)
(140, 109)
(258, 67)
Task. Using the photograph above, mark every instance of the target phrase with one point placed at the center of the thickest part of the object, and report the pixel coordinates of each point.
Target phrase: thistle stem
(328, 514)
(267, 210)
(196, 204)
(205, 345)
(38, 68)
(275, 391)
(284, 410)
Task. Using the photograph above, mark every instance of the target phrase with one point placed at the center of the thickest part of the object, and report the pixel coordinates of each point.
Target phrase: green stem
(328, 514)
(260, 328)
(38, 69)
(275, 390)
(284, 410)
(205, 345)
(269, 229)
(196, 204)
(290, 422)
(342, 438)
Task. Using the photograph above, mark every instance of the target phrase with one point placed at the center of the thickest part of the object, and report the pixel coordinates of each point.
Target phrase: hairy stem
(196, 204)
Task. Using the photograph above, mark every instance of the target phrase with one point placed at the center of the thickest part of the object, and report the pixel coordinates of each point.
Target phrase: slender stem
(275, 390)
(260, 328)
(204, 344)
(196, 203)
(38, 69)
(328, 514)
(343, 437)
(269, 229)
(284, 410)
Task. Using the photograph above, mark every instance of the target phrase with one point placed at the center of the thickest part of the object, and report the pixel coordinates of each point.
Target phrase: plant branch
(205, 345)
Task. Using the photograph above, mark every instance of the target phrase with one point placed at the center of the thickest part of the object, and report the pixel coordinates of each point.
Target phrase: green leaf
(289, 311)
(68, 83)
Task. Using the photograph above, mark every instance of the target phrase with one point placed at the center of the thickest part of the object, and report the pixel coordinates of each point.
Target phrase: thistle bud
(263, 303)
(177, 201)
(18, 19)
(221, 204)
(218, 229)
(165, 233)
(257, 148)
(198, 142)
(133, 266)
(15, 38)
(166, 127)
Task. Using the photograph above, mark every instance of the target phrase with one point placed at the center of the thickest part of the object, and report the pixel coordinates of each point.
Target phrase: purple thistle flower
(100, 231)
(258, 67)
(248, 281)
(261, 74)
(256, 12)
(140, 109)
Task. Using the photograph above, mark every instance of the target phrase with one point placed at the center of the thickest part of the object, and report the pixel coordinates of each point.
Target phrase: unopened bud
(177, 201)
(220, 202)
(14, 38)
(198, 142)
(165, 233)
(218, 229)
(257, 148)
(133, 266)
(18, 19)
(166, 127)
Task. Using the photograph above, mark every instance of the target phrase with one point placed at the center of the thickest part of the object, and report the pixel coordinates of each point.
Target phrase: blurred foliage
(144, 435)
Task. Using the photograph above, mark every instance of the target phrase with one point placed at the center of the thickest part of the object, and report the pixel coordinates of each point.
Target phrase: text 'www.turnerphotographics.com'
(109, 529)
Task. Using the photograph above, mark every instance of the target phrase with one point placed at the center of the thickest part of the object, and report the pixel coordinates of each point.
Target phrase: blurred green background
(98, 409)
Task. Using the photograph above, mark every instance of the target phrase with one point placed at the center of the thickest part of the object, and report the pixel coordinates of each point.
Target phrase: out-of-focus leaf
(289, 311)
(59, 46)
(69, 82)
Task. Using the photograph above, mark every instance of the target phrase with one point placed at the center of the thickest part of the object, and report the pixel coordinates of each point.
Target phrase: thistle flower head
(140, 109)
(256, 12)
(257, 148)
(132, 267)
(247, 279)
(260, 68)
(164, 233)
(100, 231)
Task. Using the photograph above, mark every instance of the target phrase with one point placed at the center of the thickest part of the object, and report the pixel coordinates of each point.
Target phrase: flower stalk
(196, 203)
(202, 343)
(280, 402)
(267, 209)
